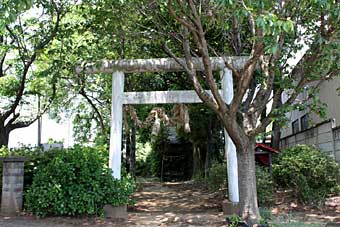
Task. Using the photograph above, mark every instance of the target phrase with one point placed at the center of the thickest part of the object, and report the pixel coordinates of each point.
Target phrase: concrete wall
(324, 136)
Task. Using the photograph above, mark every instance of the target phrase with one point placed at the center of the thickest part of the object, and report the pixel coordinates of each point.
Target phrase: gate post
(116, 124)
(12, 184)
(230, 149)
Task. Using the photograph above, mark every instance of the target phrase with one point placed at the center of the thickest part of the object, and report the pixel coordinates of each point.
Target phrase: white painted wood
(157, 65)
(227, 85)
(116, 124)
(230, 149)
(162, 97)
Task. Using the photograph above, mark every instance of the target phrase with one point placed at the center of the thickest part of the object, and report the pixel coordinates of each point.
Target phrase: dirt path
(175, 205)
(157, 204)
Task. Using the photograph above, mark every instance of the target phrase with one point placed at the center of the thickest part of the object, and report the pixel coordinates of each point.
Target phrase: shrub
(217, 176)
(75, 182)
(265, 186)
(310, 173)
(36, 158)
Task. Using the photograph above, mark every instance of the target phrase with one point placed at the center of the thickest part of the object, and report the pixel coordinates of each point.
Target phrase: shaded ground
(287, 207)
(182, 204)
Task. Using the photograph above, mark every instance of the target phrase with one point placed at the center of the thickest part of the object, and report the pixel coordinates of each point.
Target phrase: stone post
(12, 184)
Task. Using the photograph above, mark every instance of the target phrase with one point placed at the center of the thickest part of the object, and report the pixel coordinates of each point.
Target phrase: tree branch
(28, 64)
(101, 121)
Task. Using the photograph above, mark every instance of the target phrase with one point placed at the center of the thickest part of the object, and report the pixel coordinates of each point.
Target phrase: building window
(295, 126)
(337, 134)
(304, 122)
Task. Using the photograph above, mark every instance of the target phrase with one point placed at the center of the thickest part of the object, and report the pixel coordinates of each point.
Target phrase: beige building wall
(328, 94)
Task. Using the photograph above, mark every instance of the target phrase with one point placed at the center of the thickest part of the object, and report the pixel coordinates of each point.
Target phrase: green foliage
(234, 221)
(265, 186)
(74, 182)
(217, 179)
(10, 9)
(142, 154)
(310, 173)
(217, 176)
(8, 86)
(154, 160)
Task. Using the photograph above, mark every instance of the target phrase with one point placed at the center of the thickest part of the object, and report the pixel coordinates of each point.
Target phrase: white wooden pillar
(116, 124)
(230, 149)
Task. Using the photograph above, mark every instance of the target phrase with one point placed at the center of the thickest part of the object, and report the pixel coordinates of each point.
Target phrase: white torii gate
(119, 98)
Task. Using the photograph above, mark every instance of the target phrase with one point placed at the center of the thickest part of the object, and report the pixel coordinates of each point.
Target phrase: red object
(266, 148)
(263, 153)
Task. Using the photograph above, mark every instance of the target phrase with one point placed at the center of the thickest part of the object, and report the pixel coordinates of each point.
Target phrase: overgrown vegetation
(265, 186)
(217, 176)
(73, 181)
(172, 158)
(310, 173)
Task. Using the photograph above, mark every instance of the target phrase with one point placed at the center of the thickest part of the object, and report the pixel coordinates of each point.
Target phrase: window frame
(304, 119)
(297, 126)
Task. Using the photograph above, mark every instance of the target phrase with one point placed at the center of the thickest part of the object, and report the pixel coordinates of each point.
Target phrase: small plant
(217, 176)
(234, 221)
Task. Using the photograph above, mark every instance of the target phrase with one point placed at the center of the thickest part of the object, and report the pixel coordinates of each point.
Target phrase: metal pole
(39, 123)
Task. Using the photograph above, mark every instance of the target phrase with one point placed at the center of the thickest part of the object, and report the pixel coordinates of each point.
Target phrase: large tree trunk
(247, 185)
(275, 143)
(4, 135)
(276, 136)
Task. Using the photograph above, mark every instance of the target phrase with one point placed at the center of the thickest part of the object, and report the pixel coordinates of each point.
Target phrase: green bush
(217, 176)
(36, 158)
(311, 174)
(265, 186)
(75, 182)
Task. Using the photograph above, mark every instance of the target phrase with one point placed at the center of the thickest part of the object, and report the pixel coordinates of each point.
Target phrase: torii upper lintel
(157, 65)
